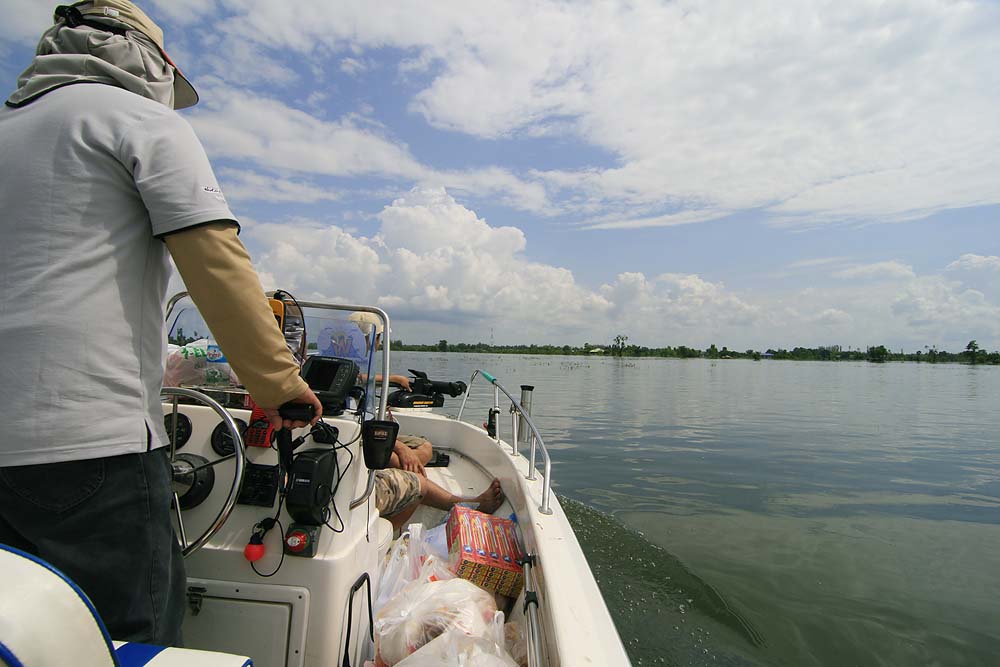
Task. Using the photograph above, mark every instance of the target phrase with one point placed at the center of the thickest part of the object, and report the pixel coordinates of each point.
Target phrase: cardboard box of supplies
(484, 550)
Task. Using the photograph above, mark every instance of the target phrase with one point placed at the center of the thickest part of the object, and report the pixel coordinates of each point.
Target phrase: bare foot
(490, 499)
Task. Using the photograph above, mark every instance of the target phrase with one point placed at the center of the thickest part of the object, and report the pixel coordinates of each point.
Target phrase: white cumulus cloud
(816, 112)
(973, 262)
(435, 265)
(442, 271)
(242, 185)
(891, 270)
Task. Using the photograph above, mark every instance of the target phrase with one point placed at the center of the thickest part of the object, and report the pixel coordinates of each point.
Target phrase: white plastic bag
(427, 542)
(434, 569)
(453, 648)
(422, 611)
(516, 642)
(395, 571)
(199, 363)
(435, 542)
(416, 549)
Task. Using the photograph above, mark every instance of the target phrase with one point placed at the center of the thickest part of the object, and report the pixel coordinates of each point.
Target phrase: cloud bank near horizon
(442, 271)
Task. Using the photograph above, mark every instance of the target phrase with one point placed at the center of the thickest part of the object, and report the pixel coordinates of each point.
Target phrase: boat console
(283, 542)
(272, 548)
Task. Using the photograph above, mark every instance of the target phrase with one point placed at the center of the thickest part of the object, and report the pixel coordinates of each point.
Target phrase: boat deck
(463, 477)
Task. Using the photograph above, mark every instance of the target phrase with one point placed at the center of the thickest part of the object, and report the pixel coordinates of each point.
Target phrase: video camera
(424, 392)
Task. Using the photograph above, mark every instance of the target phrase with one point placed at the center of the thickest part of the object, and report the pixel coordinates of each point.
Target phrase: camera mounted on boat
(424, 392)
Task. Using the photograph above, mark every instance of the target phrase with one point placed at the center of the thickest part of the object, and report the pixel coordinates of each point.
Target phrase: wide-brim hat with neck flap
(367, 321)
(91, 13)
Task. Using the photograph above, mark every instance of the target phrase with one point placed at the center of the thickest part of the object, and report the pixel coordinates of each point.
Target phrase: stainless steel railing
(519, 415)
(534, 634)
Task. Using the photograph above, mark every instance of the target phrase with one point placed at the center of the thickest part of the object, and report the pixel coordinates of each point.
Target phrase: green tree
(878, 355)
(971, 350)
(712, 352)
(442, 345)
(619, 345)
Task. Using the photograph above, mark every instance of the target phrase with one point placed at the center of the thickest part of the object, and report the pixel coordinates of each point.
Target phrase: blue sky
(753, 174)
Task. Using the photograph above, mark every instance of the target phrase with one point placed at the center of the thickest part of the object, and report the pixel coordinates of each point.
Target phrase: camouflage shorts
(412, 441)
(395, 490)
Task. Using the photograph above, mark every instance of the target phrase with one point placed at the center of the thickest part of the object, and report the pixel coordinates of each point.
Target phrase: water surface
(776, 512)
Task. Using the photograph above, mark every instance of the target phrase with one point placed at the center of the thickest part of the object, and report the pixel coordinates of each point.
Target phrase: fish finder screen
(330, 374)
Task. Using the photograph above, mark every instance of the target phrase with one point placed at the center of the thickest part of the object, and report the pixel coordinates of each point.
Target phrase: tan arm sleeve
(217, 271)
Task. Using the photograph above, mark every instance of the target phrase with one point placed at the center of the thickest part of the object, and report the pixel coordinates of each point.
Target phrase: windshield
(329, 332)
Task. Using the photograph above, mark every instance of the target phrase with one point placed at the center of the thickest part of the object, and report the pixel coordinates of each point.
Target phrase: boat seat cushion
(46, 619)
(131, 654)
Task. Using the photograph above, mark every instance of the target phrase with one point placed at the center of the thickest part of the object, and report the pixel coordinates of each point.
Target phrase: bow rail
(518, 416)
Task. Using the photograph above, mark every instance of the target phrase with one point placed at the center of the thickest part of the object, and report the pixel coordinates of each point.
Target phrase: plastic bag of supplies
(198, 363)
(454, 648)
(424, 611)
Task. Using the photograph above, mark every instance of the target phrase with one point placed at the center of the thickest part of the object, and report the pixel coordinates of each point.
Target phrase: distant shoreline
(875, 354)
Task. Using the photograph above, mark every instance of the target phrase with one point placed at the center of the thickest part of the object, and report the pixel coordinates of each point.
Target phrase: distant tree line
(619, 347)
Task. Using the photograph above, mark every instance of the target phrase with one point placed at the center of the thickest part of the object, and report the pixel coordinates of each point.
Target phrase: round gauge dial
(183, 429)
(222, 442)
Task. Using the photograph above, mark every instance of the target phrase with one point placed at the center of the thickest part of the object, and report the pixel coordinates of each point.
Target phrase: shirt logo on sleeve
(214, 191)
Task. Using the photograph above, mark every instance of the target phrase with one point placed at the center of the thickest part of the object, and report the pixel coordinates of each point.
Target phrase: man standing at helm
(101, 179)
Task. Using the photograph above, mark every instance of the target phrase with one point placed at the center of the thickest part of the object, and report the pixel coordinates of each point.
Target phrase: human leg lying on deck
(398, 494)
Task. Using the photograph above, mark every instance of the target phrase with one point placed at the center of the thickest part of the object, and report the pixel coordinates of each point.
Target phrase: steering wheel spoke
(181, 533)
(190, 471)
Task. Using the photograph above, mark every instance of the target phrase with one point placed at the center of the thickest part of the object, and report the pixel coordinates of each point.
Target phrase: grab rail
(534, 634)
(536, 438)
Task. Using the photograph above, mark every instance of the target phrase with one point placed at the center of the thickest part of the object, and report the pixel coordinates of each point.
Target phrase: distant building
(597, 350)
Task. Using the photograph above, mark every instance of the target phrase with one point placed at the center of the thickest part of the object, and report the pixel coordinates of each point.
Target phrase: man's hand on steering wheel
(308, 398)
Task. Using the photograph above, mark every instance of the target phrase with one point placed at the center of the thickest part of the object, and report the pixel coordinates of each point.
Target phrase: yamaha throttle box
(310, 486)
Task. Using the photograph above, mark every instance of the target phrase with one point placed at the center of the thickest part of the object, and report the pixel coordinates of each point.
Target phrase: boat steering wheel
(190, 471)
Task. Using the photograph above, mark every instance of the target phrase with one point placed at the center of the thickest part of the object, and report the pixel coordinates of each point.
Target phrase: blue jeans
(106, 524)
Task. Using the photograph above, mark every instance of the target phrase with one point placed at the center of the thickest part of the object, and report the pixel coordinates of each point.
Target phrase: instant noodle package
(484, 550)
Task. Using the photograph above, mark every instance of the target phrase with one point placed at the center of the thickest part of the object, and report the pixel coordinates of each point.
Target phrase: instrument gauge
(222, 441)
(183, 429)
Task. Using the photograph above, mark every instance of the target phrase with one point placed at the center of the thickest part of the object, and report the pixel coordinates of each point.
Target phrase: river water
(775, 512)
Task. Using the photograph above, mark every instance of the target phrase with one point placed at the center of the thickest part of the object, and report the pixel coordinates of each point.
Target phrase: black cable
(341, 474)
(282, 560)
(296, 302)
(326, 519)
(282, 490)
(356, 438)
(333, 495)
(302, 314)
(281, 502)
